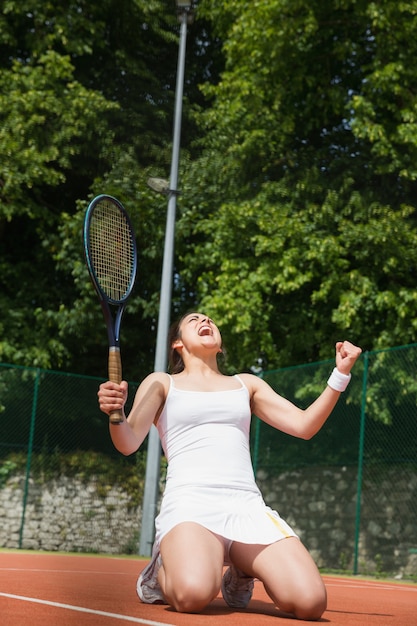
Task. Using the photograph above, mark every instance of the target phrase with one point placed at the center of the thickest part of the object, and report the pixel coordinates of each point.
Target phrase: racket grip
(115, 375)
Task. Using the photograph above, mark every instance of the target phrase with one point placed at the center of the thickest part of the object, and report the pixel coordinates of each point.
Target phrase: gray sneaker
(237, 588)
(147, 587)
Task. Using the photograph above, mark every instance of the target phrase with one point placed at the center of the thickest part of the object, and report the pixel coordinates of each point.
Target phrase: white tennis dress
(210, 480)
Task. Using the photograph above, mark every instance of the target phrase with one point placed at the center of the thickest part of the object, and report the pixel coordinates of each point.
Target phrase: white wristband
(338, 381)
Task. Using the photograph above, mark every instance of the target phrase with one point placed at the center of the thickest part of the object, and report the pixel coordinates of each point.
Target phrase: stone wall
(321, 505)
(68, 514)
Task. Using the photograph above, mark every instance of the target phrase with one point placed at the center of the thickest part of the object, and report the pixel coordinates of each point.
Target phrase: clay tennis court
(48, 589)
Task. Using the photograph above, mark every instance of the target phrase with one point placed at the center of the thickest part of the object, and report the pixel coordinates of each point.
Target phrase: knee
(190, 596)
(311, 606)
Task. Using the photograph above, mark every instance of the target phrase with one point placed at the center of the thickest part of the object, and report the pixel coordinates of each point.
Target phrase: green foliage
(86, 107)
(48, 119)
(7, 469)
(297, 214)
(86, 466)
(301, 228)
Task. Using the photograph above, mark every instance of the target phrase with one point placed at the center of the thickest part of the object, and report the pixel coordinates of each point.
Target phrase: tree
(297, 217)
(301, 224)
(86, 107)
(48, 120)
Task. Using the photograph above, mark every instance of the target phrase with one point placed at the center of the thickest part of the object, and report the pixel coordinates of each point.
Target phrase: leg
(191, 573)
(288, 573)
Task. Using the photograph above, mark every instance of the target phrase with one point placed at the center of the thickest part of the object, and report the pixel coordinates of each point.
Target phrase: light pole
(151, 490)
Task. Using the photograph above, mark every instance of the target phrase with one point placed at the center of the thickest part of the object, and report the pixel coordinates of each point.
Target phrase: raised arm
(286, 416)
(148, 403)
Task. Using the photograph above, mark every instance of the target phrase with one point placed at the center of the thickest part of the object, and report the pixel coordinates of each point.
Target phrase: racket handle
(115, 375)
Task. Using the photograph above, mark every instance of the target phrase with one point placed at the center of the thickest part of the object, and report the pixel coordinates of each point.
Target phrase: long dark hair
(175, 362)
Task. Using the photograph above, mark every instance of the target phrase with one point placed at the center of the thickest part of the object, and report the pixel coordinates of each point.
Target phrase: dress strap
(241, 381)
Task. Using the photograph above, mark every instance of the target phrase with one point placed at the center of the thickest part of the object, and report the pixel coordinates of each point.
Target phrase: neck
(198, 366)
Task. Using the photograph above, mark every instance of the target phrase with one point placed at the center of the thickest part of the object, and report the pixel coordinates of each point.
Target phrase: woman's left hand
(346, 355)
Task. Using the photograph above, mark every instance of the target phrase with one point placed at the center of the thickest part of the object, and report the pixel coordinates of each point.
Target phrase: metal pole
(360, 463)
(151, 490)
(30, 451)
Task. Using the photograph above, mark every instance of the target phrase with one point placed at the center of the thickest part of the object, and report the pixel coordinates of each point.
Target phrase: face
(198, 329)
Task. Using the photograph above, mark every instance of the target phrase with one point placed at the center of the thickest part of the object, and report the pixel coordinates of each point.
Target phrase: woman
(212, 512)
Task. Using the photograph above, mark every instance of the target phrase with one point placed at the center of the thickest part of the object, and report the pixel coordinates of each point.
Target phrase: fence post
(30, 450)
(360, 462)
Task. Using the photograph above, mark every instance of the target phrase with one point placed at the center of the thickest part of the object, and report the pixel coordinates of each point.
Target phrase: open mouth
(205, 330)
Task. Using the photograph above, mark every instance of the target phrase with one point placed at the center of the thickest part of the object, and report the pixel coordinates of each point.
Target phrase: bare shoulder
(157, 382)
(161, 377)
(258, 388)
(252, 382)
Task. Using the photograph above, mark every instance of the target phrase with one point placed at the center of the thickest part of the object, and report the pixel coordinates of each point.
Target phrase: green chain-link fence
(352, 489)
(62, 484)
(350, 492)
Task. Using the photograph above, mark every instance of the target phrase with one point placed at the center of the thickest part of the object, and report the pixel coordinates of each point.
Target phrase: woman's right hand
(112, 397)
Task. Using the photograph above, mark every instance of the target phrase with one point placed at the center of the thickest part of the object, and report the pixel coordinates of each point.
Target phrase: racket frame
(113, 322)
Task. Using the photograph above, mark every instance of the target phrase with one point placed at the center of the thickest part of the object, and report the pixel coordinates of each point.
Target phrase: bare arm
(286, 416)
(128, 436)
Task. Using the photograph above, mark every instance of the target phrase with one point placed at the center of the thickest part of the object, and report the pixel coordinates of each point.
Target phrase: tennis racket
(111, 256)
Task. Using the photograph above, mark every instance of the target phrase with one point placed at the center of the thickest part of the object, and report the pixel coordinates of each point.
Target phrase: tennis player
(212, 512)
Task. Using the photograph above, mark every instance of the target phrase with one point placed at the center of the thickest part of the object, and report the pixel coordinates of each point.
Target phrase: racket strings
(112, 250)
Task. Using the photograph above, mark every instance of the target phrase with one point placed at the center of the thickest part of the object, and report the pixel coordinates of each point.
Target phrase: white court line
(61, 571)
(369, 585)
(80, 609)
